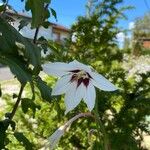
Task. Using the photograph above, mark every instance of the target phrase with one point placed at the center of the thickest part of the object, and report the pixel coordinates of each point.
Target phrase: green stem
(97, 121)
(101, 128)
(15, 106)
(17, 102)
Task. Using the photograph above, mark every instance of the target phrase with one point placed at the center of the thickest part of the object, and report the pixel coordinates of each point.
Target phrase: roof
(14, 13)
(60, 27)
(24, 15)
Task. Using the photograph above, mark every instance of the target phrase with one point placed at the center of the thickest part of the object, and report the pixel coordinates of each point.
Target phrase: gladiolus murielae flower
(77, 81)
(55, 137)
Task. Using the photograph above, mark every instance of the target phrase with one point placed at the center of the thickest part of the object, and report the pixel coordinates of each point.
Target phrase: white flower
(55, 137)
(77, 81)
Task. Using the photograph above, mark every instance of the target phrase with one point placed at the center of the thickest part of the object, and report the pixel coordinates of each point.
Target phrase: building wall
(146, 44)
(29, 33)
(60, 36)
(64, 36)
(53, 32)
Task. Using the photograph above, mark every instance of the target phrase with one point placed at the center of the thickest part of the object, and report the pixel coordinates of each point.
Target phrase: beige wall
(59, 35)
(146, 44)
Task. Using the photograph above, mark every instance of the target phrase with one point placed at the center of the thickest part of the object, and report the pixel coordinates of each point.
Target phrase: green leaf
(97, 145)
(46, 24)
(23, 23)
(39, 13)
(28, 103)
(44, 44)
(13, 125)
(23, 140)
(18, 68)
(14, 44)
(45, 90)
(14, 96)
(2, 8)
(53, 13)
(8, 115)
(2, 135)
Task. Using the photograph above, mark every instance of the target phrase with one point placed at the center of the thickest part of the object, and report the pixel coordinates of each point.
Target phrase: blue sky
(68, 10)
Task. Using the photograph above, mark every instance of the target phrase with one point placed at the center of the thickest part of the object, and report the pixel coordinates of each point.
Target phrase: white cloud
(131, 25)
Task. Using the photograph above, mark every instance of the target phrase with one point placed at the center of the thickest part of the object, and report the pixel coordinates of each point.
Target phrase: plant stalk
(17, 102)
(101, 128)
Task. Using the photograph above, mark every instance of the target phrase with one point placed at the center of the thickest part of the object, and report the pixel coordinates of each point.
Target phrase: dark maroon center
(80, 76)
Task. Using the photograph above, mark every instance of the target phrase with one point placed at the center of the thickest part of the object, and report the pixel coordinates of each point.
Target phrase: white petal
(62, 85)
(77, 65)
(73, 96)
(81, 91)
(90, 96)
(101, 82)
(55, 137)
(57, 69)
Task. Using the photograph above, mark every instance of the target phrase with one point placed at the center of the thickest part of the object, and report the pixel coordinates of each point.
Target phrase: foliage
(93, 42)
(24, 60)
(141, 26)
(140, 32)
(122, 113)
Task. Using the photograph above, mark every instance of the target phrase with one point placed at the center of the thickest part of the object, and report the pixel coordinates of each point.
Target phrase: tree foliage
(93, 41)
(141, 26)
(140, 32)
